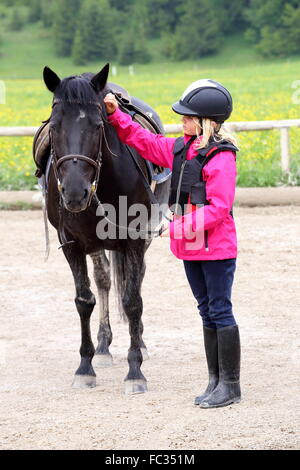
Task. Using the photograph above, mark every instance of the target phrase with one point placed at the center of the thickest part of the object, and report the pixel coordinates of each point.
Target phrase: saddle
(41, 148)
(156, 174)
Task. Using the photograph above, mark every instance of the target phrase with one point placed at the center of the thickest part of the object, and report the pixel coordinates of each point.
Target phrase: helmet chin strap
(217, 127)
(200, 120)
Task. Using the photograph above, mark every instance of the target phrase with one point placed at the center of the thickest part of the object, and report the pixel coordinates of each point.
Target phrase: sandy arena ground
(40, 339)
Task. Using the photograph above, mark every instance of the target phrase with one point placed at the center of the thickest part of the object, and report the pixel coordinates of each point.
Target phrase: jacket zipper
(179, 186)
(206, 240)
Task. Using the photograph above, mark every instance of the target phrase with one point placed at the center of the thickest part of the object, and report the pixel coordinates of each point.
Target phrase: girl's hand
(111, 103)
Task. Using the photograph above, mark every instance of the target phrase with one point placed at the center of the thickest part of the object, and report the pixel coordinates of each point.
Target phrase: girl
(203, 233)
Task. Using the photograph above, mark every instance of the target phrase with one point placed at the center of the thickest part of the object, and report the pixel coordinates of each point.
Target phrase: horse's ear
(99, 80)
(51, 79)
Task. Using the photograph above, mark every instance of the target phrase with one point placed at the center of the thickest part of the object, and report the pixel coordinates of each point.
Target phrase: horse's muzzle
(76, 203)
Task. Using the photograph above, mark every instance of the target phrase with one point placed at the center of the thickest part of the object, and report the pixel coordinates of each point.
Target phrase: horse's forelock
(76, 89)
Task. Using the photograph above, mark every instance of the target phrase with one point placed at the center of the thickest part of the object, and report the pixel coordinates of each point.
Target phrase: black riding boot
(228, 389)
(211, 351)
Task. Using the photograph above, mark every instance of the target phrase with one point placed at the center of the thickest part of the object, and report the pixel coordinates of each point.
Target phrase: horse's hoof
(84, 381)
(103, 360)
(135, 386)
(145, 354)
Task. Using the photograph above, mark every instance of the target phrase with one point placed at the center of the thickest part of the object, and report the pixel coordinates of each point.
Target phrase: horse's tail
(117, 261)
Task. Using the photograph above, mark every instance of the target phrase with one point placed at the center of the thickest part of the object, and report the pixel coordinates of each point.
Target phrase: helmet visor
(181, 108)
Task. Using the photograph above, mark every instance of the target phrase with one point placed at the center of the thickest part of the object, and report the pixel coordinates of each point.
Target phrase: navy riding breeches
(211, 283)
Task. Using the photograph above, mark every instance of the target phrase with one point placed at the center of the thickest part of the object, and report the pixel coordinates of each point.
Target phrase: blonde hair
(211, 130)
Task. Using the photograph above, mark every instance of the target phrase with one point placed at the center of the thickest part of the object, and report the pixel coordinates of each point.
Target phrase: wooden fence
(248, 126)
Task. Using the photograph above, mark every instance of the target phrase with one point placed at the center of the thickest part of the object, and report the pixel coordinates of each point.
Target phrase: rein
(58, 161)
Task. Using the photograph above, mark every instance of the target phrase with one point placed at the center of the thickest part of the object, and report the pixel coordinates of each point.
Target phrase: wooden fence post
(284, 144)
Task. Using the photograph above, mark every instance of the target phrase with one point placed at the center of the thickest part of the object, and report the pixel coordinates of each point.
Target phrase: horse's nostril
(85, 194)
(63, 190)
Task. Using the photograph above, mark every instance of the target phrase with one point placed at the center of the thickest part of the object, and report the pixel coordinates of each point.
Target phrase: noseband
(58, 161)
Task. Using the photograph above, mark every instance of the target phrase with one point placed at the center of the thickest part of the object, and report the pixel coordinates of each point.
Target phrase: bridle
(58, 161)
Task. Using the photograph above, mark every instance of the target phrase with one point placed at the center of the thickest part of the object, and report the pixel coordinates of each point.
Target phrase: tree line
(185, 29)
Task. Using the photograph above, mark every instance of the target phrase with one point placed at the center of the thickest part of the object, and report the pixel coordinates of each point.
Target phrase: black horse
(91, 165)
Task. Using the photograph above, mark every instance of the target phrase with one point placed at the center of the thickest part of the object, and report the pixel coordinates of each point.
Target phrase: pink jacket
(187, 232)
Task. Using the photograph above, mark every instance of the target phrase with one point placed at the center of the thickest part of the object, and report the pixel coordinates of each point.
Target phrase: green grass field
(261, 90)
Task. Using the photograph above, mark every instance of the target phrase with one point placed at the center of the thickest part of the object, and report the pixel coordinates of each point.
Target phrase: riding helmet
(205, 98)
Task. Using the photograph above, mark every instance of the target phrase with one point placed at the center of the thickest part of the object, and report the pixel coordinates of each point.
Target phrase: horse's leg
(102, 356)
(135, 382)
(85, 376)
(143, 346)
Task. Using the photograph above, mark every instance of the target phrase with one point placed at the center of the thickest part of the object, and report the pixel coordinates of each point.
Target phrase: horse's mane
(77, 89)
